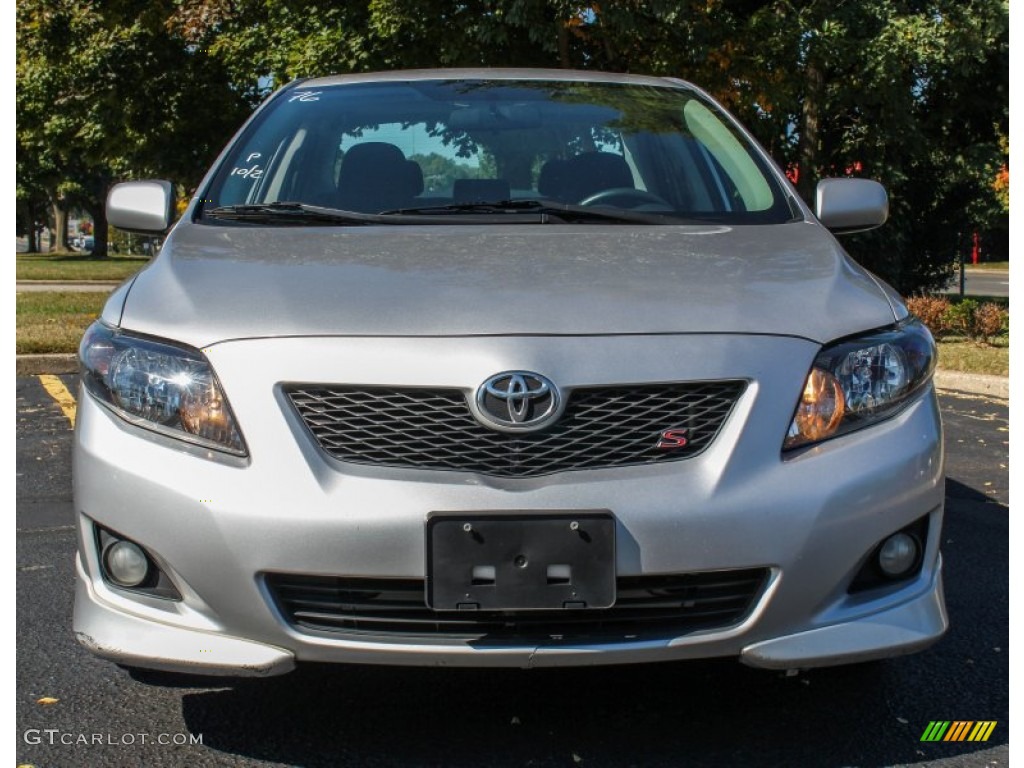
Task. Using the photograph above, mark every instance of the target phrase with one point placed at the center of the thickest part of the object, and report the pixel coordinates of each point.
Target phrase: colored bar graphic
(935, 731)
(982, 731)
(958, 730)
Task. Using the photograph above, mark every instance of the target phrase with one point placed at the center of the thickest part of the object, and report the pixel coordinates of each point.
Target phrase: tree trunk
(29, 218)
(100, 231)
(60, 227)
(563, 46)
(97, 208)
(32, 233)
(609, 50)
(809, 150)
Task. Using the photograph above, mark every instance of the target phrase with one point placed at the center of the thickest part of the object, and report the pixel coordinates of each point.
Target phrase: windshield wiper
(291, 213)
(303, 214)
(498, 212)
(565, 212)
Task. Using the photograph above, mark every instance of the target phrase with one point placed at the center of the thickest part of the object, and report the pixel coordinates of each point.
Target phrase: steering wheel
(623, 197)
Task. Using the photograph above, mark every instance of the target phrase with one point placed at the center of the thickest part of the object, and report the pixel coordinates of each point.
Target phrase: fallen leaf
(903, 720)
(576, 758)
(47, 701)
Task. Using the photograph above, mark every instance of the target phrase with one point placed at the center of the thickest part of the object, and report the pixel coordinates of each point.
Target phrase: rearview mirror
(851, 205)
(145, 207)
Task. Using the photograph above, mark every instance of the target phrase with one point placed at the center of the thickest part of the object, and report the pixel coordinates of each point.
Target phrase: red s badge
(672, 439)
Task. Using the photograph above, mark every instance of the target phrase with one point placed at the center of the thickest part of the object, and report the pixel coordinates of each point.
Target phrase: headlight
(858, 382)
(160, 386)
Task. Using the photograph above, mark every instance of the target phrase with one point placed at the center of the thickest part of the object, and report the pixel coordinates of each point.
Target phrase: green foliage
(966, 318)
(959, 317)
(440, 173)
(913, 93)
(106, 92)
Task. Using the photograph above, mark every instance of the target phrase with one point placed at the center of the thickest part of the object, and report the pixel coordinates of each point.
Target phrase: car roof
(494, 73)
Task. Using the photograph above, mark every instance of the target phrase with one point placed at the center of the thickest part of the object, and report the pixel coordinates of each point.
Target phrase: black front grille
(434, 428)
(646, 607)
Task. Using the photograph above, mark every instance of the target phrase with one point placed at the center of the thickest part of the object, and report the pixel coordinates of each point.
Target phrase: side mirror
(145, 207)
(851, 205)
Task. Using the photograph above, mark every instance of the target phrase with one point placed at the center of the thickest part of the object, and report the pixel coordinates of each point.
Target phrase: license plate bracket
(520, 561)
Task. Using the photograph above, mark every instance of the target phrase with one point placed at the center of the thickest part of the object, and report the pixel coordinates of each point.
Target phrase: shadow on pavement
(694, 713)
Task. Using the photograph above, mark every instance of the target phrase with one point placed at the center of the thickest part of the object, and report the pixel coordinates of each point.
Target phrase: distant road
(981, 282)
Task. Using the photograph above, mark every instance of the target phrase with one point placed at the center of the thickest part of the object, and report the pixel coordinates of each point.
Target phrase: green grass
(76, 266)
(54, 321)
(971, 357)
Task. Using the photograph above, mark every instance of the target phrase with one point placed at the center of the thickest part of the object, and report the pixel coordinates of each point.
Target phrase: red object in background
(976, 250)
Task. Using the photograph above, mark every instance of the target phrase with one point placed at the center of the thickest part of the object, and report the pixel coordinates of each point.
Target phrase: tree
(910, 92)
(30, 195)
(106, 91)
(913, 94)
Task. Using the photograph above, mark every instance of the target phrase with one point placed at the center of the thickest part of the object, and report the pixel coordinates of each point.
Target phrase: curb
(33, 365)
(66, 286)
(974, 383)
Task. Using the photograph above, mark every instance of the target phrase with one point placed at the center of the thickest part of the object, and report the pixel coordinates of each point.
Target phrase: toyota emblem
(518, 401)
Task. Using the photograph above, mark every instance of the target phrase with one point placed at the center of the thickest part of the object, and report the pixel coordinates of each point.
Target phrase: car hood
(213, 283)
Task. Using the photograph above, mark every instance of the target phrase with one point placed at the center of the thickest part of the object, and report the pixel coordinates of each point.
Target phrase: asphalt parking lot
(75, 710)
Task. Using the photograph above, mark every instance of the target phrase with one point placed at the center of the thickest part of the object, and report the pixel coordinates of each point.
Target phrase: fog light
(126, 563)
(898, 554)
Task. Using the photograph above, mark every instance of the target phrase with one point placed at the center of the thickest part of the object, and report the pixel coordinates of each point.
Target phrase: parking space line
(56, 389)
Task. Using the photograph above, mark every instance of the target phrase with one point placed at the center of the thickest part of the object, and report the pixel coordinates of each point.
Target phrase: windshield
(474, 147)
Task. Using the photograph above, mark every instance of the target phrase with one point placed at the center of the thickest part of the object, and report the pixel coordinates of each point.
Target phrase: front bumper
(215, 526)
(127, 639)
(134, 641)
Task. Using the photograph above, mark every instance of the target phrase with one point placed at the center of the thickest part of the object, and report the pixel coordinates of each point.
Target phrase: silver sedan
(504, 368)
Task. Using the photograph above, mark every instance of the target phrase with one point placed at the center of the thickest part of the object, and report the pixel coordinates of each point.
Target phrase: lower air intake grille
(434, 428)
(647, 607)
